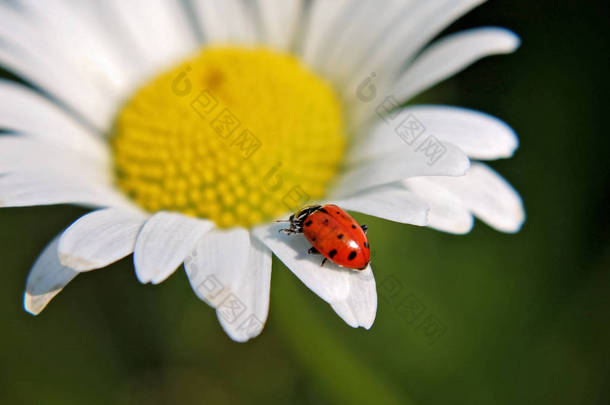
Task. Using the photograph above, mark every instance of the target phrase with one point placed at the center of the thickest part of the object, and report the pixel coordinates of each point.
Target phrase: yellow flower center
(238, 136)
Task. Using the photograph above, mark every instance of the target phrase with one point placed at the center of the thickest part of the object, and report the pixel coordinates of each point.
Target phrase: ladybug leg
(323, 261)
(364, 228)
(313, 251)
(292, 230)
(288, 231)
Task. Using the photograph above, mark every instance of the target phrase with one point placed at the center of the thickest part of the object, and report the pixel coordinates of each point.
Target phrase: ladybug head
(296, 220)
(305, 212)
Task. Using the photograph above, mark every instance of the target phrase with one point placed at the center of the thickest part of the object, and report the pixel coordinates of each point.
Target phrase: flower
(188, 153)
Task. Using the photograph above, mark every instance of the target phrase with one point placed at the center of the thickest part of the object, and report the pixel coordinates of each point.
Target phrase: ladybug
(334, 234)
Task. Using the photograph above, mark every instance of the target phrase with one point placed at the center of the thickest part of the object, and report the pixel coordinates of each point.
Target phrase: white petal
(392, 202)
(159, 29)
(447, 213)
(46, 279)
(36, 52)
(210, 17)
(51, 124)
(430, 157)
(57, 164)
(363, 38)
(17, 33)
(100, 238)
(221, 258)
(22, 153)
(97, 51)
(355, 19)
(488, 196)
(164, 242)
(324, 17)
(225, 21)
(329, 282)
(231, 271)
(255, 288)
(23, 39)
(452, 54)
(360, 306)
(23, 189)
(280, 20)
(419, 22)
(68, 89)
(479, 135)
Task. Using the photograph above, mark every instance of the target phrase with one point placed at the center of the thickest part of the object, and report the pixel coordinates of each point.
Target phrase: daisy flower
(191, 126)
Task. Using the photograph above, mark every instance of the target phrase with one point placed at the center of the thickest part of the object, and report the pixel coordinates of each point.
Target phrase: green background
(525, 315)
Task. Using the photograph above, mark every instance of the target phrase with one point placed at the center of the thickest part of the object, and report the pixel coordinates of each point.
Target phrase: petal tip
(368, 325)
(464, 166)
(29, 306)
(34, 305)
(516, 39)
(508, 39)
(517, 224)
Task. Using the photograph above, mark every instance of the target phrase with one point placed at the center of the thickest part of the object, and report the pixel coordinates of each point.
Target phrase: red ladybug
(334, 234)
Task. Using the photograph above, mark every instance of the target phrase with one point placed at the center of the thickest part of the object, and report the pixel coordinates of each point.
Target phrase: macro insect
(334, 234)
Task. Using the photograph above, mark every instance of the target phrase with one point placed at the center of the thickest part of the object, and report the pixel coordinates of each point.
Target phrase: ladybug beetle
(334, 234)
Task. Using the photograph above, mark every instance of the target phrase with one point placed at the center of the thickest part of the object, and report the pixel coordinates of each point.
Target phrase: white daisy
(191, 126)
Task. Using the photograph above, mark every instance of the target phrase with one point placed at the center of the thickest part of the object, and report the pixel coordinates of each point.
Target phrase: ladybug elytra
(334, 234)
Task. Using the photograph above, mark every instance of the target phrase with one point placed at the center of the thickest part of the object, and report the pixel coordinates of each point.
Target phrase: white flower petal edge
(67, 88)
(438, 62)
(100, 238)
(24, 152)
(52, 125)
(32, 188)
(392, 202)
(360, 307)
(452, 54)
(488, 196)
(419, 22)
(479, 135)
(341, 288)
(46, 279)
(163, 244)
(231, 271)
(401, 164)
(447, 213)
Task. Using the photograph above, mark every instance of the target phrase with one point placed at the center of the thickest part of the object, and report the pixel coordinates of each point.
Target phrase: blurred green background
(523, 318)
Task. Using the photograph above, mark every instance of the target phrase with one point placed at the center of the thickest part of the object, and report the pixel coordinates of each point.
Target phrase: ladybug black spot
(323, 210)
(340, 236)
(308, 223)
(332, 253)
(354, 226)
(325, 221)
(352, 256)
